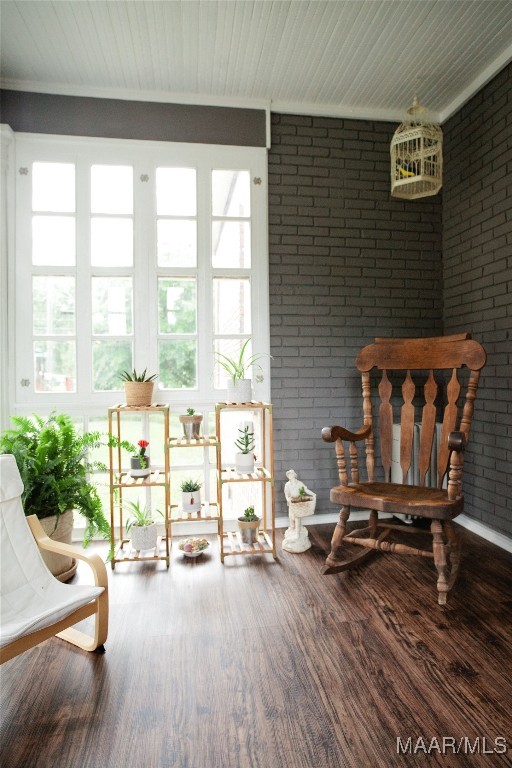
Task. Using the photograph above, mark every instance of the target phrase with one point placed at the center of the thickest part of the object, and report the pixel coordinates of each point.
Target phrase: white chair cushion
(30, 596)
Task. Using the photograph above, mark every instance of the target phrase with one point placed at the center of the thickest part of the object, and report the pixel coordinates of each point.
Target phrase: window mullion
(204, 288)
(83, 277)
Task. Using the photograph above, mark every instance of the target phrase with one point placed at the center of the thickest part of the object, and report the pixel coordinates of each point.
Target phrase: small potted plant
(237, 368)
(248, 525)
(306, 499)
(140, 463)
(140, 525)
(138, 387)
(191, 422)
(244, 457)
(190, 496)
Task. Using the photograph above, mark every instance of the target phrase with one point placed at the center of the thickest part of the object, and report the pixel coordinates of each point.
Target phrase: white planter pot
(239, 391)
(191, 502)
(144, 537)
(244, 463)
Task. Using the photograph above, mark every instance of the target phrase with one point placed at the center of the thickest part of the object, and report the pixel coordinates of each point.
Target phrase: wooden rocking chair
(437, 362)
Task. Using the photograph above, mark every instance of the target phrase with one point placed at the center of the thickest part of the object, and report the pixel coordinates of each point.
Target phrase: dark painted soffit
(121, 119)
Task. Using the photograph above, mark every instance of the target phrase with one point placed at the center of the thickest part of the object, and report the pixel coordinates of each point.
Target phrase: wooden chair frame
(65, 628)
(439, 505)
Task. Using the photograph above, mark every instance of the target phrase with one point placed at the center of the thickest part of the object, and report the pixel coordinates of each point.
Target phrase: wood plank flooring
(267, 664)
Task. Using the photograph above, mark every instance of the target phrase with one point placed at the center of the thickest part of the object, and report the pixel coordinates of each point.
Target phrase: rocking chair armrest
(331, 434)
(457, 441)
(43, 541)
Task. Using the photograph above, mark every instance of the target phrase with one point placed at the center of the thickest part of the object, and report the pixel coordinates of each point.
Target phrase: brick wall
(347, 262)
(477, 258)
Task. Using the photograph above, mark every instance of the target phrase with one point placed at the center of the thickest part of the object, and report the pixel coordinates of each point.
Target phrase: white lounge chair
(34, 605)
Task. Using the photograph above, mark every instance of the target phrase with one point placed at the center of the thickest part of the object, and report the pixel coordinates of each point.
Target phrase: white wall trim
(162, 97)
(210, 527)
(477, 84)
(486, 532)
(7, 215)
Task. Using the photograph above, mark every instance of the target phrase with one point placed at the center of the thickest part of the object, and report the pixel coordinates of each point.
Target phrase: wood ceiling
(353, 58)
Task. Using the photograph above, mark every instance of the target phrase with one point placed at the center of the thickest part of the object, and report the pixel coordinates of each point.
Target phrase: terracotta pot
(59, 528)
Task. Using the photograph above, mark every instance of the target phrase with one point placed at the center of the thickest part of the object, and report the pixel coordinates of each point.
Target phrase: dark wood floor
(263, 664)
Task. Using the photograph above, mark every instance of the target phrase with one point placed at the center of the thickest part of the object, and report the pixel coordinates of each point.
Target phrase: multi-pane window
(177, 258)
(111, 263)
(136, 255)
(53, 290)
(231, 262)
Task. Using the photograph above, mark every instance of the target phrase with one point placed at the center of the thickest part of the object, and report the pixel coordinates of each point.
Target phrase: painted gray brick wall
(347, 263)
(477, 257)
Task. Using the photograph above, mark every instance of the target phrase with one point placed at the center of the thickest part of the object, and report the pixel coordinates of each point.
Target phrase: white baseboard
(485, 531)
(205, 527)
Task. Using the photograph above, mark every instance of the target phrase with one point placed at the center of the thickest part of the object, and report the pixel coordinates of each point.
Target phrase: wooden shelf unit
(230, 542)
(209, 509)
(121, 480)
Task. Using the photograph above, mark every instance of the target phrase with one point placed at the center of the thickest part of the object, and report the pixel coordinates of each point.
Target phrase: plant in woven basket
(138, 387)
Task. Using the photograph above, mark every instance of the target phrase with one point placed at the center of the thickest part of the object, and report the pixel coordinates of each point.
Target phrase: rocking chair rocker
(436, 361)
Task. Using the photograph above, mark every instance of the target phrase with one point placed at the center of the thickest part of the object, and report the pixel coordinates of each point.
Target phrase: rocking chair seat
(398, 499)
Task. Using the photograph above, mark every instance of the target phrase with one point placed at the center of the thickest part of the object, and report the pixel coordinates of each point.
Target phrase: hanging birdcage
(416, 156)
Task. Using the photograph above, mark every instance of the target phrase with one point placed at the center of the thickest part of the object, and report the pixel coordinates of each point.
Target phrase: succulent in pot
(244, 457)
(138, 387)
(141, 462)
(190, 495)
(191, 422)
(248, 525)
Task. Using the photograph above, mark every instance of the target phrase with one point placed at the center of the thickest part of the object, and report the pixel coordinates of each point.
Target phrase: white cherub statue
(301, 503)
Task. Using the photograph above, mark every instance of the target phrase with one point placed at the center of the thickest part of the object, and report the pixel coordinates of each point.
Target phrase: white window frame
(144, 157)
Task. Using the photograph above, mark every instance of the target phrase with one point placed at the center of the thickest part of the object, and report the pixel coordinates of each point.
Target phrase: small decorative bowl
(199, 546)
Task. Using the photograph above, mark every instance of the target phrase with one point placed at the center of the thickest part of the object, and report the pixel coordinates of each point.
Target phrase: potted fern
(248, 525)
(55, 464)
(138, 387)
